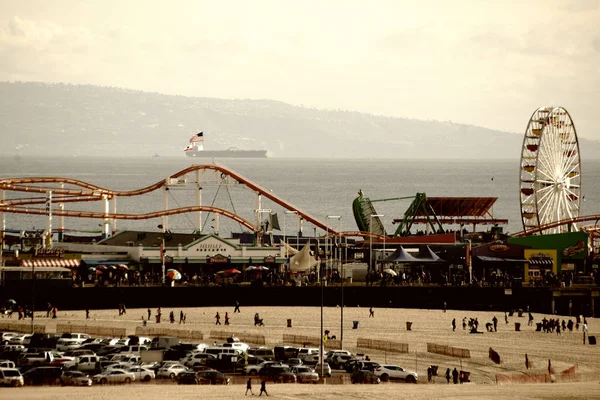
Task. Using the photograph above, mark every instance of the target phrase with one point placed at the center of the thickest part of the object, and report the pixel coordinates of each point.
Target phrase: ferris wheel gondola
(550, 171)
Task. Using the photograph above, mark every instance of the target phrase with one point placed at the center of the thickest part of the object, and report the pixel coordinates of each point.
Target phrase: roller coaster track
(570, 221)
(86, 192)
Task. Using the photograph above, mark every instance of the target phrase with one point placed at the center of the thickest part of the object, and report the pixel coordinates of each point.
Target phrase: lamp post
(468, 260)
(339, 218)
(371, 241)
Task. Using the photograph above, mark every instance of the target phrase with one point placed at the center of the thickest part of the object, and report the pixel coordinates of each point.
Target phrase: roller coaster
(63, 191)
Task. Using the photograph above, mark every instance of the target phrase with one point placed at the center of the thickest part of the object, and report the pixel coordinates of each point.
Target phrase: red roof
(461, 206)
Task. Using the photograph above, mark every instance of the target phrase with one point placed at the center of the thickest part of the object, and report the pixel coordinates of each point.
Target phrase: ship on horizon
(196, 149)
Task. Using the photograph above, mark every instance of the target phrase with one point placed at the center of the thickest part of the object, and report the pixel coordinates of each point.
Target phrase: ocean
(319, 187)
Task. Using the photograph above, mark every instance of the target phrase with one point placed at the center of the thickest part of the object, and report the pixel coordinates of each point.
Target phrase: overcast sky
(486, 63)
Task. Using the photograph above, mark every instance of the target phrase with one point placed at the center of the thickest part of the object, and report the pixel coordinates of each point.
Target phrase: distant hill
(64, 119)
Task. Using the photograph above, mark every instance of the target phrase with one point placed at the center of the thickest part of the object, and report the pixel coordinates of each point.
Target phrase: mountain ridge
(68, 119)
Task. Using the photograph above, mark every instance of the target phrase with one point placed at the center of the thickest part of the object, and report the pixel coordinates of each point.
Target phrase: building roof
(461, 206)
(150, 239)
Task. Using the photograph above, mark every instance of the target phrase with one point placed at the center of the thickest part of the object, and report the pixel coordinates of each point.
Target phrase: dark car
(364, 376)
(43, 376)
(44, 340)
(188, 378)
(213, 377)
(277, 373)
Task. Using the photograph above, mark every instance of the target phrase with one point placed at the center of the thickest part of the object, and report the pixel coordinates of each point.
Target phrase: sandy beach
(428, 326)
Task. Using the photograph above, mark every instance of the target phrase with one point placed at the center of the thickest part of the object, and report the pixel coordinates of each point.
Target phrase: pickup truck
(71, 341)
(85, 363)
(7, 364)
(35, 359)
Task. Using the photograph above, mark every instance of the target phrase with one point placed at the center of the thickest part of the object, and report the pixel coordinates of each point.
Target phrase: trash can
(289, 323)
(592, 340)
(517, 326)
(355, 324)
(408, 326)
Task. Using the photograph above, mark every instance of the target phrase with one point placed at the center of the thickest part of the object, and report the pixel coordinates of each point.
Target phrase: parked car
(357, 365)
(114, 376)
(188, 378)
(75, 378)
(387, 372)
(253, 369)
(21, 338)
(295, 361)
(364, 376)
(326, 369)
(277, 373)
(44, 375)
(338, 361)
(88, 363)
(196, 359)
(141, 373)
(35, 359)
(71, 341)
(7, 364)
(264, 352)
(305, 374)
(212, 377)
(11, 377)
(307, 353)
(171, 371)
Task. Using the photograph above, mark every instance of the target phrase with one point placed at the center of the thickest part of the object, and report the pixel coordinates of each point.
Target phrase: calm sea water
(320, 187)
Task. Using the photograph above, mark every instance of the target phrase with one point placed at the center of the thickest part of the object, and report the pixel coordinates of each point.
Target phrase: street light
(371, 241)
(339, 218)
(284, 227)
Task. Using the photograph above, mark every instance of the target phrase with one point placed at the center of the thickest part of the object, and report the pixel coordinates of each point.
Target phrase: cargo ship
(196, 149)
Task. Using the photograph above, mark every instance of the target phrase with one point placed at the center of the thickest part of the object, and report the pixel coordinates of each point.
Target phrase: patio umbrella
(11, 301)
(102, 267)
(232, 271)
(174, 274)
(98, 272)
(262, 268)
(251, 268)
(390, 271)
(123, 266)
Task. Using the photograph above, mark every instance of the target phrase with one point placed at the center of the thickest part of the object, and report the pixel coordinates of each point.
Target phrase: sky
(479, 62)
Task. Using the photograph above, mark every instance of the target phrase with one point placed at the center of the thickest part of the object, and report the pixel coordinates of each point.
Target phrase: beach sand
(428, 326)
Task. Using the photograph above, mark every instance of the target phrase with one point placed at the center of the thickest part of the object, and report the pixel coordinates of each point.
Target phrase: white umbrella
(390, 271)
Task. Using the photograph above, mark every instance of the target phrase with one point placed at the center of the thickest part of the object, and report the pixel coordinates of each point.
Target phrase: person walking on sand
(226, 318)
(371, 313)
(149, 314)
(455, 376)
(453, 324)
(249, 387)
(527, 365)
(263, 388)
(218, 318)
(180, 317)
(87, 313)
(448, 376)
(237, 307)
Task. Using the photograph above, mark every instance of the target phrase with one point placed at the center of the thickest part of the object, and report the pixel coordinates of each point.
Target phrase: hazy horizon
(476, 63)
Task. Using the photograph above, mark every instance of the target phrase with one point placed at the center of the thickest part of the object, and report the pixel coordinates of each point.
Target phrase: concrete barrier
(92, 330)
(186, 334)
(382, 345)
(243, 336)
(22, 326)
(304, 341)
(448, 350)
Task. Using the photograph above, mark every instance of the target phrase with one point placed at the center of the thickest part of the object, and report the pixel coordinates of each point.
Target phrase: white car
(197, 359)
(114, 376)
(23, 339)
(171, 371)
(254, 369)
(71, 341)
(10, 377)
(142, 374)
(387, 372)
(305, 374)
(75, 378)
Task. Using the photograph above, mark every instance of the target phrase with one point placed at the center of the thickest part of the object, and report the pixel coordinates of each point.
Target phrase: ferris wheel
(550, 181)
